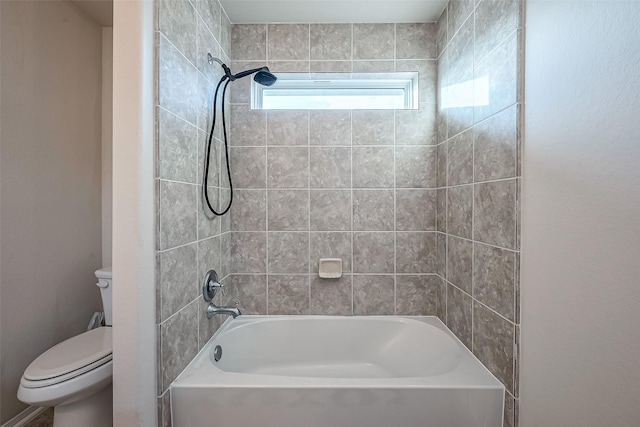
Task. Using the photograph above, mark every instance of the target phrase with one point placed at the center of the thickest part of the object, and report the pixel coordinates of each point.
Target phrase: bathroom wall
(478, 180)
(189, 241)
(356, 185)
(50, 182)
(580, 210)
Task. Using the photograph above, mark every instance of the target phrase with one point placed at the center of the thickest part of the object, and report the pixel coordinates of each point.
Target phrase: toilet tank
(104, 283)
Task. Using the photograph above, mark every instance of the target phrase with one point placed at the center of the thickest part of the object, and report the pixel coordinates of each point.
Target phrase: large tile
(460, 211)
(288, 210)
(211, 14)
(178, 216)
(247, 127)
(330, 210)
(441, 257)
(330, 127)
(416, 295)
(441, 219)
(496, 145)
(288, 294)
(416, 252)
(248, 167)
(442, 36)
(460, 263)
(494, 214)
(373, 167)
(441, 164)
(178, 343)
(225, 34)
(330, 41)
(459, 314)
(331, 296)
(373, 252)
(494, 21)
(249, 290)
(416, 210)
(289, 252)
(373, 210)
(249, 210)
(288, 167)
(373, 295)
(460, 159)
(373, 127)
(458, 12)
(249, 42)
(427, 72)
(373, 41)
(178, 281)
(206, 43)
(385, 66)
(209, 258)
(416, 41)
(416, 167)
(330, 167)
(177, 148)
(493, 342)
(458, 72)
(177, 21)
(249, 252)
(416, 127)
(288, 66)
(330, 66)
(330, 245)
(177, 82)
(288, 41)
(494, 279)
(290, 127)
(240, 90)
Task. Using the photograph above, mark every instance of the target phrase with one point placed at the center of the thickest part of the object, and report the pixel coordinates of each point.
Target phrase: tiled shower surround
(421, 205)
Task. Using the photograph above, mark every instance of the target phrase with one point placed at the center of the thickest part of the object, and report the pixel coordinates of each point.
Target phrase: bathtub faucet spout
(213, 309)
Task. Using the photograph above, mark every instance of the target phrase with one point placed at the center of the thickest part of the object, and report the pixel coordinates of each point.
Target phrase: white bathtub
(315, 371)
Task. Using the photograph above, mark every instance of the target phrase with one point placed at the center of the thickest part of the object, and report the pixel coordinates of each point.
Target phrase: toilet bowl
(74, 376)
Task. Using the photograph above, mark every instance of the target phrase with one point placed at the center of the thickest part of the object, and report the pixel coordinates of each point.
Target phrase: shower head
(263, 76)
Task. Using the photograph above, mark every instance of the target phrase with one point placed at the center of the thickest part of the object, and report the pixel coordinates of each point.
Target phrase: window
(338, 91)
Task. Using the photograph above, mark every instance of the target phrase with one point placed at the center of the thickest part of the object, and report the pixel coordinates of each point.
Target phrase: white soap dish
(330, 268)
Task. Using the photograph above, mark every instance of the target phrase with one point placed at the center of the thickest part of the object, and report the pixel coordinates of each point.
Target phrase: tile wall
(478, 180)
(356, 185)
(189, 240)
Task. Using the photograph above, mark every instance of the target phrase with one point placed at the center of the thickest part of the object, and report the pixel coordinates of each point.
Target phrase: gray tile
(249, 210)
(178, 281)
(249, 252)
(177, 148)
(249, 42)
(494, 279)
(495, 146)
(427, 72)
(330, 245)
(289, 127)
(373, 210)
(385, 66)
(226, 262)
(460, 159)
(416, 127)
(509, 411)
(250, 290)
(178, 342)
(225, 34)
(288, 41)
(459, 314)
(330, 167)
(177, 83)
(415, 167)
(493, 342)
(288, 210)
(373, 295)
(441, 164)
(416, 252)
(330, 210)
(494, 215)
(416, 295)
(373, 41)
(330, 66)
(177, 21)
(460, 211)
(210, 12)
(248, 167)
(373, 127)
(247, 127)
(441, 219)
(178, 217)
(494, 21)
(372, 167)
(416, 41)
(460, 263)
(442, 38)
(207, 43)
(416, 210)
(373, 252)
(458, 12)
(288, 295)
(441, 256)
(216, 159)
(330, 41)
(331, 296)
(289, 66)
(458, 70)
(289, 252)
(240, 90)
(441, 301)
(207, 327)
(330, 127)
(288, 167)
(209, 258)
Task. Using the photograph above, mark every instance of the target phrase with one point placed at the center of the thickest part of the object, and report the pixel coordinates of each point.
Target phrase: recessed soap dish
(330, 268)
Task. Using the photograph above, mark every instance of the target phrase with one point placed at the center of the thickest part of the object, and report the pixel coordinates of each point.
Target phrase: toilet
(74, 376)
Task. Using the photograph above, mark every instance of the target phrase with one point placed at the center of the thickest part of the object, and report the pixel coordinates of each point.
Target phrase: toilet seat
(69, 359)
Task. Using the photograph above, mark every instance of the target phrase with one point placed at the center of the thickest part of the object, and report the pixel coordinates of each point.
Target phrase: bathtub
(316, 371)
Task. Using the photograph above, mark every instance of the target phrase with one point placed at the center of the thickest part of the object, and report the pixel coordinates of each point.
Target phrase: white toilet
(75, 376)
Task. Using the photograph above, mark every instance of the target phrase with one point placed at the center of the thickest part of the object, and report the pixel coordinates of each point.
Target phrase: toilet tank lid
(104, 273)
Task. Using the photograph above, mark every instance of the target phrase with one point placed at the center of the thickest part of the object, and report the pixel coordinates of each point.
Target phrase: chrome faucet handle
(210, 286)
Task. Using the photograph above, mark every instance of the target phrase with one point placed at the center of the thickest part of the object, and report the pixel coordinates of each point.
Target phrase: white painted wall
(134, 292)
(50, 167)
(107, 144)
(581, 215)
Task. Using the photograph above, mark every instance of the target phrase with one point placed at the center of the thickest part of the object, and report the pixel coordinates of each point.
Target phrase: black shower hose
(226, 149)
